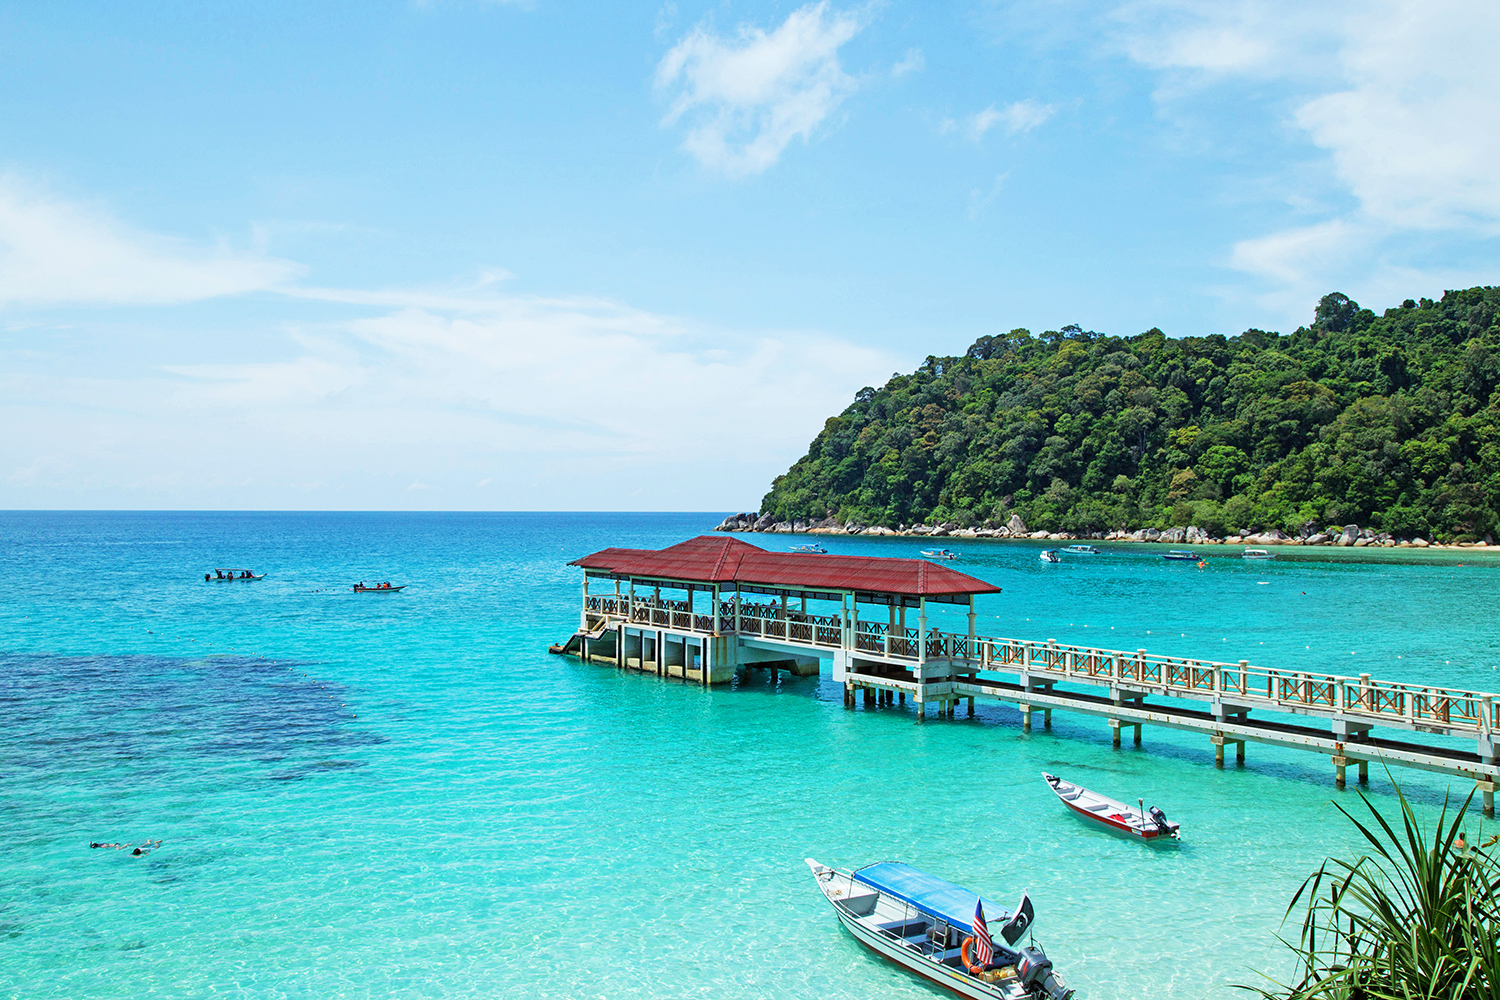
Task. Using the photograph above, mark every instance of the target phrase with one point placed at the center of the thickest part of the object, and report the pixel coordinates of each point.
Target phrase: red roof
(707, 559)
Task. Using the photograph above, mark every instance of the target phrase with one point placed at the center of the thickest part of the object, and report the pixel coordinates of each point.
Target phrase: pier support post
(921, 710)
(902, 696)
(1114, 726)
(1339, 763)
(1218, 742)
(848, 694)
(1364, 772)
(1025, 717)
(869, 698)
(971, 706)
(1487, 798)
(1047, 718)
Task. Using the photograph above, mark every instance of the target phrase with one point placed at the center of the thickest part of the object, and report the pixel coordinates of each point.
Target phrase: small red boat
(1133, 821)
(379, 588)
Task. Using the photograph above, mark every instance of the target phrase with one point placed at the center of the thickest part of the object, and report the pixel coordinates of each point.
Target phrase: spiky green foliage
(1418, 918)
(1391, 422)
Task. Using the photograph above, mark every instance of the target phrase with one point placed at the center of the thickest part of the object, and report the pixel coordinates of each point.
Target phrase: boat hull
(931, 971)
(378, 590)
(1115, 817)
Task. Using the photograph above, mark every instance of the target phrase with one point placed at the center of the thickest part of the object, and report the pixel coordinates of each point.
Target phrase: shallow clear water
(405, 795)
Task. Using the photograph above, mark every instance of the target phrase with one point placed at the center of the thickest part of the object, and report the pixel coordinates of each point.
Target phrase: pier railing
(1435, 709)
(1360, 699)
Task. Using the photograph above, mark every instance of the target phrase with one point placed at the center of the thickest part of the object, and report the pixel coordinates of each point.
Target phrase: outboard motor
(1160, 818)
(1036, 973)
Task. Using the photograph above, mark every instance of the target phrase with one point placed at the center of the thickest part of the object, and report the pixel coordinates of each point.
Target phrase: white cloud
(413, 397)
(1021, 116)
(913, 62)
(1400, 97)
(748, 97)
(53, 252)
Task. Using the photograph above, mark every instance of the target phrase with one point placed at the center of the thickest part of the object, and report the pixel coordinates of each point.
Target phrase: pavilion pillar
(583, 614)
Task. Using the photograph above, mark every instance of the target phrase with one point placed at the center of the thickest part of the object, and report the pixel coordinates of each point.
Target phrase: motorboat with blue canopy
(929, 894)
(927, 924)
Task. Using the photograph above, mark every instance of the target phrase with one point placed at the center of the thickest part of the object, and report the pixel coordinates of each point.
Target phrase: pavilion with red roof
(704, 607)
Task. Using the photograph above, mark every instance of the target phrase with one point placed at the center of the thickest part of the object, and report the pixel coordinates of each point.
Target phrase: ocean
(405, 795)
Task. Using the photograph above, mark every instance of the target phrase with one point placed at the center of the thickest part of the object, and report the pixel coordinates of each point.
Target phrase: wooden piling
(1364, 768)
(1487, 797)
(971, 706)
(1218, 741)
(1114, 728)
(1339, 763)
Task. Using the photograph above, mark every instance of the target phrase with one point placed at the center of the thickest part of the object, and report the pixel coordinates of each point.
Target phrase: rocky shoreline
(1348, 536)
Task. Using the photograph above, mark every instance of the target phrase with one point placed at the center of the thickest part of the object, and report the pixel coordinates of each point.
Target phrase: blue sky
(610, 256)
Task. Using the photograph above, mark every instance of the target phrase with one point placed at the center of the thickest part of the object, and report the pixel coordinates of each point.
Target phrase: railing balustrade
(1439, 709)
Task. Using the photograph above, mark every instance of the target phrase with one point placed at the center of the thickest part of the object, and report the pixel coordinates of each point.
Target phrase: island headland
(1355, 430)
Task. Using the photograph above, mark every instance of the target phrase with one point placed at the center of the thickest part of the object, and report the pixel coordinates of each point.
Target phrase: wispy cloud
(744, 99)
(53, 251)
(1020, 116)
(913, 62)
(1401, 104)
(419, 394)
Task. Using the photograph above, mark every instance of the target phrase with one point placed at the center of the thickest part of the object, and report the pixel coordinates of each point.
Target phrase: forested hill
(1392, 422)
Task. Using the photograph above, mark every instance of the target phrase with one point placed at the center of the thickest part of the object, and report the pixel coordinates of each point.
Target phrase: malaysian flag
(984, 947)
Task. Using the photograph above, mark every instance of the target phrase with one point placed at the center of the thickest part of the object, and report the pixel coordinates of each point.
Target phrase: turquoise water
(405, 795)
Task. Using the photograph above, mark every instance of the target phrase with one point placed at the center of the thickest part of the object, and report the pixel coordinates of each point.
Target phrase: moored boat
(1082, 550)
(224, 575)
(1132, 821)
(379, 588)
(939, 554)
(1257, 554)
(940, 931)
(1184, 555)
(1049, 556)
(809, 547)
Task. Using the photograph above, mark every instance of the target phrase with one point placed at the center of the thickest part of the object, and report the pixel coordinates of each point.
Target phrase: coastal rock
(738, 522)
(1420, 543)
(1150, 535)
(763, 523)
(1351, 532)
(879, 529)
(939, 532)
(1041, 534)
(1318, 539)
(1016, 526)
(965, 533)
(1360, 542)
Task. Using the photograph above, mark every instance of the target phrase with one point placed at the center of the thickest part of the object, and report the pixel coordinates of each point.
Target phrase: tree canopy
(1390, 422)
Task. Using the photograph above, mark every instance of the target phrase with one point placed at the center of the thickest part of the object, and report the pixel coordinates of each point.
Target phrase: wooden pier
(707, 607)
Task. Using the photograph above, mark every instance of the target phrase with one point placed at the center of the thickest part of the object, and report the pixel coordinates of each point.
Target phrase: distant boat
(926, 925)
(1257, 554)
(1050, 556)
(379, 588)
(1181, 554)
(939, 554)
(1115, 816)
(225, 575)
(1082, 550)
(809, 547)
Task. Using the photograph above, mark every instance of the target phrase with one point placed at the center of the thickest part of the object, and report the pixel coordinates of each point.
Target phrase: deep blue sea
(404, 795)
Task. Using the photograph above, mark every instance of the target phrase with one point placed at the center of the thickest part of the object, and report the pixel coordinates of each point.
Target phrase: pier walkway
(739, 612)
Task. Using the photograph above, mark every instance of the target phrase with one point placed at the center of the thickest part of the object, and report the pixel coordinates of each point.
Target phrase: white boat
(1133, 821)
(1049, 556)
(809, 547)
(927, 925)
(939, 554)
(1257, 554)
(1082, 550)
(1181, 555)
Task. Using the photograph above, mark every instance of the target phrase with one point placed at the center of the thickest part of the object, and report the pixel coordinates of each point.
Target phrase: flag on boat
(985, 950)
(1016, 925)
